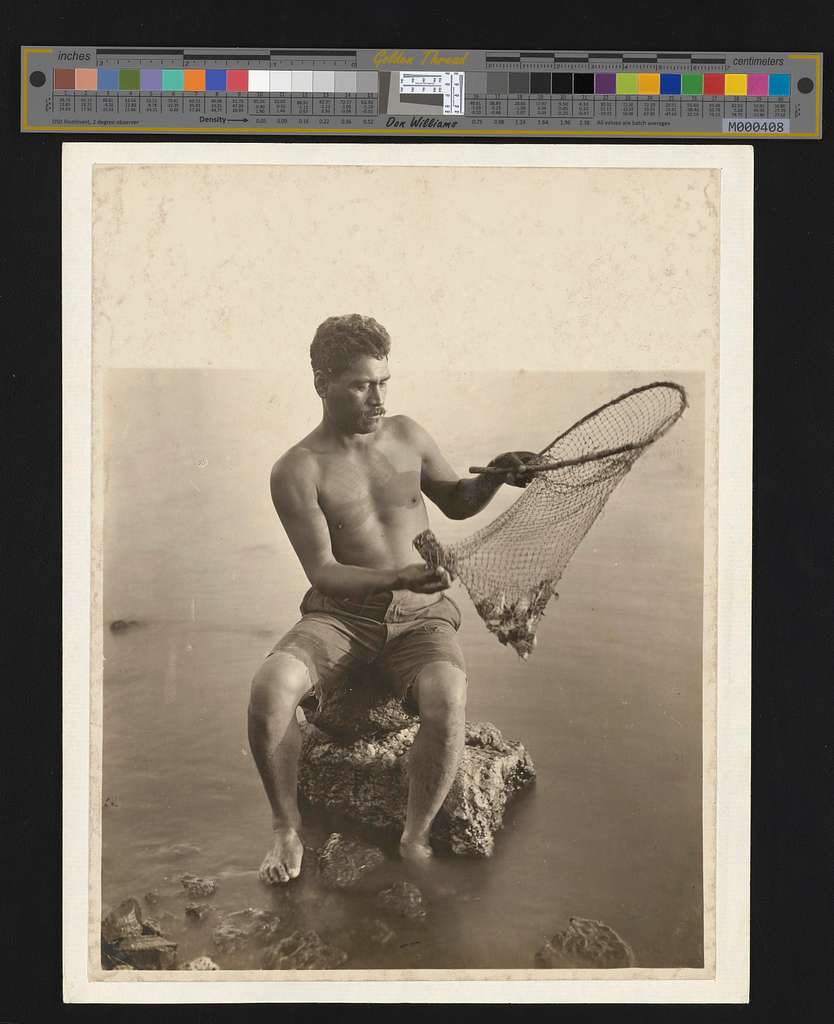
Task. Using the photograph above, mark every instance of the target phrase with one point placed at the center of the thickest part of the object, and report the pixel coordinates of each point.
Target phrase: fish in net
(511, 567)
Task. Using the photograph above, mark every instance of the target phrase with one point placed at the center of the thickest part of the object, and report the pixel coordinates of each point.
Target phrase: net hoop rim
(615, 401)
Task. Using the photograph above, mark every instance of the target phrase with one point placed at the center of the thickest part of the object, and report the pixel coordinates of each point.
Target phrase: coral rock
(367, 781)
(145, 953)
(124, 922)
(379, 933)
(362, 708)
(244, 928)
(403, 898)
(585, 943)
(304, 951)
(343, 861)
(198, 911)
(201, 963)
(196, 887)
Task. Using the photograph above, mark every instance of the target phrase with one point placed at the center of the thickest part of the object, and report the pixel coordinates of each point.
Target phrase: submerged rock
(201, 963)
(198, 911)
(123, 922)
(367, 781)
(228, 938)
(585, 943)
(152, 897)
(403, 898)
(246, 928)
(196, 887)
(145, 953)
(123, 625)
(343, 861)
(130, 940)
(379, 933)
(259, 925)
(303, 951)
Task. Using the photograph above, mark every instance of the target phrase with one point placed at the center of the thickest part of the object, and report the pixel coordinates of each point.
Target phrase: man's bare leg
(275, 741)
(435, 753)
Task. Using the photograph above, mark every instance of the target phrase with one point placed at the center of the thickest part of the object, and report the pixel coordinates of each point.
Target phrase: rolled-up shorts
(396, 632)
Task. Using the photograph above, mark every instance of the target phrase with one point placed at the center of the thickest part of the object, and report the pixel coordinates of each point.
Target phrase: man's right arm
(293, 488)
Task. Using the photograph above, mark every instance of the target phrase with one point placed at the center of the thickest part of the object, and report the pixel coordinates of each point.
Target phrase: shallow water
(609, 705)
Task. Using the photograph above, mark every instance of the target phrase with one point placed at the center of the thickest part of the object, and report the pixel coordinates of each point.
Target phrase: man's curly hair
(340, 339)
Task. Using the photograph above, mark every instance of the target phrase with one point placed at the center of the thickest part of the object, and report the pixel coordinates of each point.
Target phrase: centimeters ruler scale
(481, 93)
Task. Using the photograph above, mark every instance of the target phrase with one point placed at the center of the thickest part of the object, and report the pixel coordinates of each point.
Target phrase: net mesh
(511, 566)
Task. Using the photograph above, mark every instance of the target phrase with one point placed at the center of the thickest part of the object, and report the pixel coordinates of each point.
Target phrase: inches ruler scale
(74, 89)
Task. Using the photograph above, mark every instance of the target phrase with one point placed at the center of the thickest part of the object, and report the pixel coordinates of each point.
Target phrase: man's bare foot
(415, 850)
(283, 861)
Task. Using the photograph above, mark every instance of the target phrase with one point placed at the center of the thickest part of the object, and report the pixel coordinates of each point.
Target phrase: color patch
(344, 81)
(108, 80)
(259, 81)
(194, 80)
(606, 84)
(626, 84)
(519, 81)
(735, 85)
(539, 82)
(780, 85)
(367, 81)
(237, 81)
(324, 82)
(561, 83)
(670, 85)
(583, 84)
(692, 85)
(302, 81)
(86, 79)
(215, 81)
(63, 78)
(151, 80)
(497, 83)
(648, 85)
(172, 80)
(713, 85)
(281, 81)
(757, 85)
(129, 79)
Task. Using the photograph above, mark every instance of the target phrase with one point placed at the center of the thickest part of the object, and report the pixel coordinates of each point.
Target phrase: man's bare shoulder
(296, 464)
(404, 428)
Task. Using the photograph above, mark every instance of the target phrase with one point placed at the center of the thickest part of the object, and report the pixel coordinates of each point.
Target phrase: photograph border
(727, 709)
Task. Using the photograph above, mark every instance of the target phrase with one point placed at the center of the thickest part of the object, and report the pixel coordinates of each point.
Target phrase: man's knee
(441, 692)
(282, 679)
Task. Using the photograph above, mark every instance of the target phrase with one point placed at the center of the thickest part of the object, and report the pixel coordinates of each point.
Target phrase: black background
(792, 849)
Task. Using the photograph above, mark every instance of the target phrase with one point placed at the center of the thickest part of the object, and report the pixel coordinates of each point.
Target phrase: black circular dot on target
(805, 85)
(37, 78)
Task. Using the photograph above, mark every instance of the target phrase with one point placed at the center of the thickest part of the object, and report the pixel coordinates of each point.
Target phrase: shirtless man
(350, 496)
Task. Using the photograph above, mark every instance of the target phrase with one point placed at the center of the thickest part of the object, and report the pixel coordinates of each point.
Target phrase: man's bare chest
(381, 485)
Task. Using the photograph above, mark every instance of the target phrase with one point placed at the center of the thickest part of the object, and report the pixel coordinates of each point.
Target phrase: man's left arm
(456, 497)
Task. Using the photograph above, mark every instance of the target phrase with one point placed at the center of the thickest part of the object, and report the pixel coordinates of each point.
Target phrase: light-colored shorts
(396, 632)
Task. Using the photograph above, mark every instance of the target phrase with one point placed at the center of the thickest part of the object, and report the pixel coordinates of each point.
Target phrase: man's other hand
(422, 579)
(516, 475)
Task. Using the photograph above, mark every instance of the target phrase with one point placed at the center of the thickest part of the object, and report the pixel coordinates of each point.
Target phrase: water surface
(609, 705)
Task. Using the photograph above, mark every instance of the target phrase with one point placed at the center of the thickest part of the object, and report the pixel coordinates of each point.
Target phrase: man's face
(355, 398)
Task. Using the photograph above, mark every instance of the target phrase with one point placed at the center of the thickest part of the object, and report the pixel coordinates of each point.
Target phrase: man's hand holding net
(515, 463)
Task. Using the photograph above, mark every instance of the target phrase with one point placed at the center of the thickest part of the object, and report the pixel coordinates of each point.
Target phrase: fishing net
(511, 566)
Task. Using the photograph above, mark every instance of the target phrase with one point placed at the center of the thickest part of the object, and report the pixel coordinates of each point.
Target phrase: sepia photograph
(402, 648)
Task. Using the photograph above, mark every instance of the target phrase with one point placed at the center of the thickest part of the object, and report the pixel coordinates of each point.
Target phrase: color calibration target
(434, 92)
